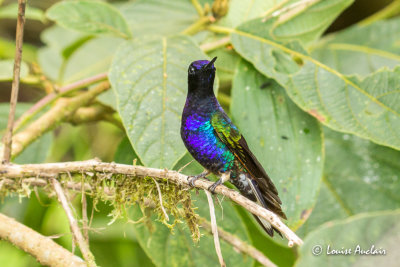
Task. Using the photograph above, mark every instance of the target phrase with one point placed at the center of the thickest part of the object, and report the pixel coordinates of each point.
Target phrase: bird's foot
(212, 187)
(192, 179)
(224, 177)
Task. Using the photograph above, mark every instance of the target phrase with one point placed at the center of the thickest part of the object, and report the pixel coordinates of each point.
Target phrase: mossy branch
(96, 167)
(86, 188)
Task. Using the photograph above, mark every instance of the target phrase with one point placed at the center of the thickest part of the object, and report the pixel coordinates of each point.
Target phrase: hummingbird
(216, 143)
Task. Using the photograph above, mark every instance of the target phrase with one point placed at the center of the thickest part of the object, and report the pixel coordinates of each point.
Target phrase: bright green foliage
(361, 50)
(367, 108)
(366, 181)
(286, 140)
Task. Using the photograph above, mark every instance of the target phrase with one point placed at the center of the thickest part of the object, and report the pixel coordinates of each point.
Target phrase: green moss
(122, 191)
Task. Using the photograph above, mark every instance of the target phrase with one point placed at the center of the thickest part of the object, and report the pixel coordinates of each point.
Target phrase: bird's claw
(212, 187)
(192, 179)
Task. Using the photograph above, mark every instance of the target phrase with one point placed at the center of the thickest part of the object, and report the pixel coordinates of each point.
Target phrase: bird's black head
(201, 75)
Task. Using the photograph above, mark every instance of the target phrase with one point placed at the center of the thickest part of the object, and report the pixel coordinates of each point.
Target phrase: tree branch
(15, 84)
(65, 108)
(45, 250)
(93, 113)
(48, 99)
(76, 233)
(238, 244)
(40, 170)
(214, 229)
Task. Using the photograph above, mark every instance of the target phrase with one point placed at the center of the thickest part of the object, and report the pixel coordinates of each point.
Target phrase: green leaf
(36, 152)
(71, 56)
(158, 17)
(360, 176)
(89, 17)
(243, 10)
(150, 81)
(91, 58)
(286, 140)
(296, 20)
(11, 12)
(177, 248)
(52, 56)
(7, 50)
(361, 49)
(366, 108)
(5, 111)
(371, 231)
(227, 60)
(7, 69)
(307, 22)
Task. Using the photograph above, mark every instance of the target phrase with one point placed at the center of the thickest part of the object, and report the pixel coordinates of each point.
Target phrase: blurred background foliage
(358, 175)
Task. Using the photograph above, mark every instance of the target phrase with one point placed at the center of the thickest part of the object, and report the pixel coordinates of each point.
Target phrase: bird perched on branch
(216, 143)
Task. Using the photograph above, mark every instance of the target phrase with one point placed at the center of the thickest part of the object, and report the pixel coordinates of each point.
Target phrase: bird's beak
(209, 65)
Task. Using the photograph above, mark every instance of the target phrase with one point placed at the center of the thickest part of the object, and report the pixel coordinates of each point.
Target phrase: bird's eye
(191, 70)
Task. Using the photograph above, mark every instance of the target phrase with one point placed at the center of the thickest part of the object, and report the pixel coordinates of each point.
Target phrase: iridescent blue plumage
(216, 143)
(200, 139)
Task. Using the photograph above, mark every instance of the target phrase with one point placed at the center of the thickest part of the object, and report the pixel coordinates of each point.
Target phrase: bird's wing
(231, 137)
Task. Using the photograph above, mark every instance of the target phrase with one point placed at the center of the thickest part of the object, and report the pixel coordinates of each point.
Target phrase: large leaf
(367, 108)
(360, 176)
(361, 49)
(50, 57)
(176, 248)
(89, 17)
(286, 140)
(307, 20)
(91, 58)
(71, 56)
(150, 79)
(377, 232)
(301, 20)
(158, 17)
(242, 10)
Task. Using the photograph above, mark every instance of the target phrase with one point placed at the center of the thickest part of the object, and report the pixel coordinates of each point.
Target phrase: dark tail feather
(267, 227)
(273, 206)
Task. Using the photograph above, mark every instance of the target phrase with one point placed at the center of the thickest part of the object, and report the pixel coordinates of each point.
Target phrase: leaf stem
(198, 7)
(199, 25)
(220, 29)
(238, 244)
(207, 47)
